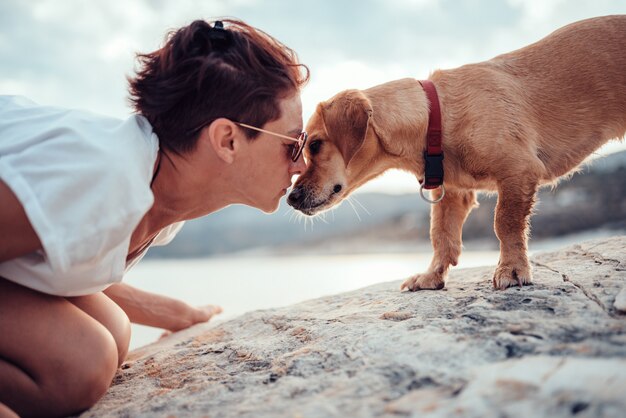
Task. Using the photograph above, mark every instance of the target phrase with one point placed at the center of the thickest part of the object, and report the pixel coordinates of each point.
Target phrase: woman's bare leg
(114, 319)
(55, 359)
(5, 412)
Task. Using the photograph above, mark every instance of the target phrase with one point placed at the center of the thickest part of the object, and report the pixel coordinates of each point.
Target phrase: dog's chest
(473, 181)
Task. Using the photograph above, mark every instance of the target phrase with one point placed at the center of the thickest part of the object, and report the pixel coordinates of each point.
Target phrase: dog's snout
(296, 197)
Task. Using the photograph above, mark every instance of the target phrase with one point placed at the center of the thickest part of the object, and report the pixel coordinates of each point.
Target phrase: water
(245, 283)
(249, 282)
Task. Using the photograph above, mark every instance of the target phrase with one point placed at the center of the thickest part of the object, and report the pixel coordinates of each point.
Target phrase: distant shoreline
(361, 247)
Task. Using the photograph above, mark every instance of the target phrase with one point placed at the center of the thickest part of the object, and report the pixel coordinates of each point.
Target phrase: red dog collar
(433, 155)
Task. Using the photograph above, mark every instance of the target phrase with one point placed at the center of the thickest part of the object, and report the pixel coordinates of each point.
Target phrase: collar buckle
(433, 170)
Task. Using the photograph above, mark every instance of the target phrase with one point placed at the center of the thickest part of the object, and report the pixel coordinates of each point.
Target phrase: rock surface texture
(553, 349)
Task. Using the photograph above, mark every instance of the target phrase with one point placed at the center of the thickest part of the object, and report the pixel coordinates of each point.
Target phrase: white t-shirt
(84, 182)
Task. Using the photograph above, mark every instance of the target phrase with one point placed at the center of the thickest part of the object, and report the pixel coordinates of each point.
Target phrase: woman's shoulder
(83, 179)
(78, 139)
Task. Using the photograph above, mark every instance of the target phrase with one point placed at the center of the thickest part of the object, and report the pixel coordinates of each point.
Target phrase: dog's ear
(347, 118)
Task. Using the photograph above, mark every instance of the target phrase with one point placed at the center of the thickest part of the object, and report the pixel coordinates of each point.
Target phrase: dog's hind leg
(446, 227)
(516, 197)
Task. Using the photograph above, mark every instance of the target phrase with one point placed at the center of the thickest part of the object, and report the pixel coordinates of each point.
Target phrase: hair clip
(219, 36)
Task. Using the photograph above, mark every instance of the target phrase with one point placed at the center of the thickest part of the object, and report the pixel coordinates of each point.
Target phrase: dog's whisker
(292, 215)
(354, 209)
(360, 204)
(309, 221)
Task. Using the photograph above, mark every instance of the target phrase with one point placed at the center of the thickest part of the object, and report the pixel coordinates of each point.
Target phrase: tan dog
(510, 124)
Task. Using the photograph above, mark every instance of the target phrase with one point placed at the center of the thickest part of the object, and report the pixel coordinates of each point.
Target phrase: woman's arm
(17, 236)
(159, 311)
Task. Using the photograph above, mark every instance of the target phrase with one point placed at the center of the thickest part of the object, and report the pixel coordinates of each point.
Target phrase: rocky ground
(554, 349)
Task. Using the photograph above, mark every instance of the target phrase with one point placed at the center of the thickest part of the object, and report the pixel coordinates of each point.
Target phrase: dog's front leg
(516, 197)
(446, 225)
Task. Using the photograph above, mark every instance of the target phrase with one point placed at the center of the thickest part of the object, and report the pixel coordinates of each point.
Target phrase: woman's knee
(118, 325)
(64, 363)
(84, 380)
(111, 316)
(122, 339)
(6, 412)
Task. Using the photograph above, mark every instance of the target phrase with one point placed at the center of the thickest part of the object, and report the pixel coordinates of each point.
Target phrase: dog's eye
(314, 147)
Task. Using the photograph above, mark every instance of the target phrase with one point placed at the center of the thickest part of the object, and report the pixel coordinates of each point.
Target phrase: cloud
(77, 54)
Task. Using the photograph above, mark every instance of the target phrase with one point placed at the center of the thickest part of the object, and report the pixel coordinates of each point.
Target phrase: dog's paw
(508, 275)
(424, 281)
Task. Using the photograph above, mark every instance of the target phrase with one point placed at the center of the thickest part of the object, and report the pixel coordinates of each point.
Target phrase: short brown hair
(197, 77)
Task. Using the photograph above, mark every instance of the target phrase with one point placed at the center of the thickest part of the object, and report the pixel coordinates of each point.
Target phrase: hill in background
(593, 198)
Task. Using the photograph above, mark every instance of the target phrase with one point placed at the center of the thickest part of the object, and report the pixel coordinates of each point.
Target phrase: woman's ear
(223, 136)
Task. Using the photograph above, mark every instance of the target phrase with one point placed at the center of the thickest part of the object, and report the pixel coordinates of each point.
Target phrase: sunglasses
(300, 141)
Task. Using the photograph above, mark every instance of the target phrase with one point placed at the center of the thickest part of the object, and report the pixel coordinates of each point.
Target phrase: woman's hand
(198, 315)
(202, 314)
(159, 311)
(206, 312)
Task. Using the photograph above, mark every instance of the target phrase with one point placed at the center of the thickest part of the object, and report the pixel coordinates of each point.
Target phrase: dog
(508, 125)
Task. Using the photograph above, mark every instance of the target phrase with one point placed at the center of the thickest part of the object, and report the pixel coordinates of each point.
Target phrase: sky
(77, 53)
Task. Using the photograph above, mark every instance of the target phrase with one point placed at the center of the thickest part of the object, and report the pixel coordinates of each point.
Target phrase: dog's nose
(296, 197)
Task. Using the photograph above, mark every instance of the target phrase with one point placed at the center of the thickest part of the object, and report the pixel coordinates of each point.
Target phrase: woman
(218, 121)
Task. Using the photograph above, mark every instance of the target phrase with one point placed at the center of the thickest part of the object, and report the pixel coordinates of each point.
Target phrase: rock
(531, 386)
(620, 301)
(554, 349)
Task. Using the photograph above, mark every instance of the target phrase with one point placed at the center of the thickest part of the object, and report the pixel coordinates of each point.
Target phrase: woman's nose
(298, 167)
